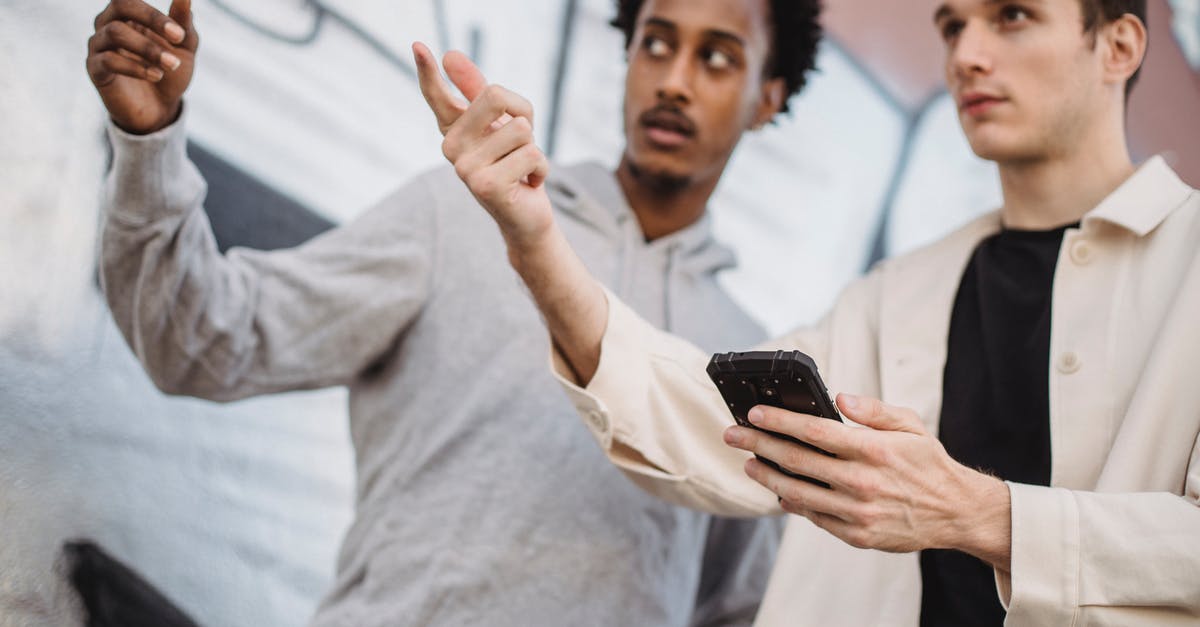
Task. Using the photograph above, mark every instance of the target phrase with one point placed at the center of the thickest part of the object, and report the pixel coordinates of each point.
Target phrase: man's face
(694, 84)
(1025, 76)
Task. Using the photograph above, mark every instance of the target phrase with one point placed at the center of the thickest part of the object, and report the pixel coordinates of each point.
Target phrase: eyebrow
(944, 11)
(711, 32)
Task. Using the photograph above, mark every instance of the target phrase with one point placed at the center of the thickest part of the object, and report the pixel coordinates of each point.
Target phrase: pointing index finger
(144, 14)
(446, 107)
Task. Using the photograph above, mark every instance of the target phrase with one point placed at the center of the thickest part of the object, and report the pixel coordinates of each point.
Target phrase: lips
(977, 102)
(667, 127)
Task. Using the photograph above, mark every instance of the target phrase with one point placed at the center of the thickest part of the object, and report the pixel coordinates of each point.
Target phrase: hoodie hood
(590, 193)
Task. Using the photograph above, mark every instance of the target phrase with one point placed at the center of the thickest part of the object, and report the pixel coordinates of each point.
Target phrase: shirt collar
(1143, 201)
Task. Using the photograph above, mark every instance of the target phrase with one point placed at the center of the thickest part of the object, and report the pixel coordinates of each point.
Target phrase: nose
(971, 53)
(676, 85)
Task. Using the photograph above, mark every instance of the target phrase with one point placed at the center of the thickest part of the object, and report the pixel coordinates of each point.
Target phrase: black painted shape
(565, 44)
(113, 595)
(879, 248)
(244, 211)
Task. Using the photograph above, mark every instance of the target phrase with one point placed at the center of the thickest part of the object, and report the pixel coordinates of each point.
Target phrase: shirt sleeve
(653, 412)
(1099, 558)
(250, 322)
(738, 557)
(658, 417)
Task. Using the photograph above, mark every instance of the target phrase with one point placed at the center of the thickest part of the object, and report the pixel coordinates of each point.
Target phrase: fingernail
(169, 61)
(733, 436)
(849, 401)
(174, 32)
(154, 74)
(755, 415)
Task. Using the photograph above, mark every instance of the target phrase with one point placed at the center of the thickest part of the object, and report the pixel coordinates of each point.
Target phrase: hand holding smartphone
(784, 379)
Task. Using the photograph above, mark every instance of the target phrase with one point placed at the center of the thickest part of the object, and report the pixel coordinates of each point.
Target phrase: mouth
(976, 103)
(667, 128)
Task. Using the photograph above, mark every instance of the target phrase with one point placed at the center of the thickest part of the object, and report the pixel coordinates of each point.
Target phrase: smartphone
(784, 379)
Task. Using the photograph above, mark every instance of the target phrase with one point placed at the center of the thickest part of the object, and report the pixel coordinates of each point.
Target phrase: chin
(659, 176)
(991, 147)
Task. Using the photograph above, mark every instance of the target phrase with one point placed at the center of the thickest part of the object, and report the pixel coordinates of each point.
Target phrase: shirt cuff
(619, 368)
(151, 176)
(1043, 588)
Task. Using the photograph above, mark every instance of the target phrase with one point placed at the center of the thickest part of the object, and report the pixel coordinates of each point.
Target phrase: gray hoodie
(481, 500)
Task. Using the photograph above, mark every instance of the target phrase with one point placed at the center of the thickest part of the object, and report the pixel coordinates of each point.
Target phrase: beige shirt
(1115, 540)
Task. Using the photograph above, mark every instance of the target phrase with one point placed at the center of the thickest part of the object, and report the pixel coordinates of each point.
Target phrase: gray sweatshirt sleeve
(738, 557)
(225, 327)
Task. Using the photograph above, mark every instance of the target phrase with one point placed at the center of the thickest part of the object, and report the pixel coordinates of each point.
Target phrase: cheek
(733, 103)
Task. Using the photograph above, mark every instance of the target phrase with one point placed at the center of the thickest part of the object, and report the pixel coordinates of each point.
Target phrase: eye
(656, 47)
(1013, 14)
(950, 29)
(718, 60)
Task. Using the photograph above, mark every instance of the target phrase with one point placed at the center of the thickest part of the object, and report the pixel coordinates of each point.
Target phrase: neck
(662, 210)
(1044, 193)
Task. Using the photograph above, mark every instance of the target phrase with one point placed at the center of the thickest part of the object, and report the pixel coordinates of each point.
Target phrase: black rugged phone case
(784, 379)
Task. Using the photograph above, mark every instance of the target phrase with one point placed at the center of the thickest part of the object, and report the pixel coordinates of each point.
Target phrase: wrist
(531, 250)
(983, 527)
(149, 128)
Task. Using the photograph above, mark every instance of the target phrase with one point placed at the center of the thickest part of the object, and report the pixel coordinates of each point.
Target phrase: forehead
(747, 19)
(950, 8)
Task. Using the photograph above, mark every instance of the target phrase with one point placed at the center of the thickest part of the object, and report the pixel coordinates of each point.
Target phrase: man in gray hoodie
(441, 348)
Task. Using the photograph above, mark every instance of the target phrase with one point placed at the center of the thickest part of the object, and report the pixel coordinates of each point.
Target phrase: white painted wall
(236, 511)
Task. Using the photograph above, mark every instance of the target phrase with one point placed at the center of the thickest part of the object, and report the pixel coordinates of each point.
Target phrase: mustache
(668, 117)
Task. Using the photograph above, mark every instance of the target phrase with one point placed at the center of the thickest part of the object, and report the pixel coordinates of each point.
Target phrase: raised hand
(141, 62)
(490, 142)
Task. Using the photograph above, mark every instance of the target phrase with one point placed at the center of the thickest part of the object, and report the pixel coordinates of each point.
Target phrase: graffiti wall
(304, 112)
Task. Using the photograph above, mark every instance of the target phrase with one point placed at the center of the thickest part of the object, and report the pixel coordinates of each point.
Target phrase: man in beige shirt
(1107, 529)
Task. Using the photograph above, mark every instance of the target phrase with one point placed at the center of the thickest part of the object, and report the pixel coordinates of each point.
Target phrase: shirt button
(596, 419)
(1081, 252)
(1069, 363)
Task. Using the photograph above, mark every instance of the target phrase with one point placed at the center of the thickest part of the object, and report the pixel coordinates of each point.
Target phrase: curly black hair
(796, 34)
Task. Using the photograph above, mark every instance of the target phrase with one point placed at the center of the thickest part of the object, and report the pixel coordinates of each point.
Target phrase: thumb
(181, 13)
(464, 74)
(874, 413)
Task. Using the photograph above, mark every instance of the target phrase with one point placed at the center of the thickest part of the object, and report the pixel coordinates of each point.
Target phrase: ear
(1125, 48)
(770, 102)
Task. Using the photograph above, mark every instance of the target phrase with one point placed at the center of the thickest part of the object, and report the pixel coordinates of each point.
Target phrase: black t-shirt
(995, 401)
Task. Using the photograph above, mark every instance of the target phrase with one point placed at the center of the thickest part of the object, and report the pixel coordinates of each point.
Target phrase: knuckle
(793, 459)
(875, 451)
(858, 484)
(816, 430)
(793, 494)
(531, 152)
(858, 538)
(463, 172)
(866, 516)
(494, 94)
(450, 148)
(480, 183)
(522, 125)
